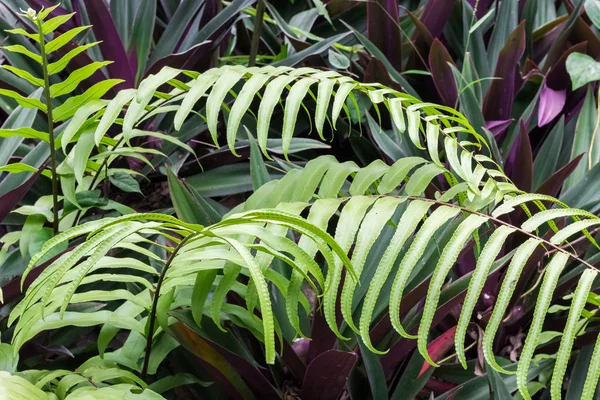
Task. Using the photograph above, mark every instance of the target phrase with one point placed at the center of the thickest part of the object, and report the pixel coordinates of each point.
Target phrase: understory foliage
(246, 243)
(354, 256)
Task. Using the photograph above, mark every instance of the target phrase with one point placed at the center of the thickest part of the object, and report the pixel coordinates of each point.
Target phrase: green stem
(152, 318)
(258, 21)
(50, 127)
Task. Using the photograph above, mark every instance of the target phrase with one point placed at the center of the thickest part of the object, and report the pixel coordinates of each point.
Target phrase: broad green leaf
(15, 387)
(170, 382)
(17, 167)
(258, 169)
(582, 68)
(498, 387)
(125, 182)
(586, 140)
(141, 35)
(546, 161)
(25, 132)
(8, 360)
(19, 31)
(55, 321)
(592, 8)
(506, 21)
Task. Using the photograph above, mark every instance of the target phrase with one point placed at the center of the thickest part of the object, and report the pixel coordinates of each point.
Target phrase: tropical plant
(424, 235)
(478, 194)
(77, 187)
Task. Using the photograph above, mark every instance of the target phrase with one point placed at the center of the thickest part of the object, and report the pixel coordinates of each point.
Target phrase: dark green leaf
(125, 182)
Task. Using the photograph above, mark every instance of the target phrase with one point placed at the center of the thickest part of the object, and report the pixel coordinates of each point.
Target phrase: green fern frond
(358, 201)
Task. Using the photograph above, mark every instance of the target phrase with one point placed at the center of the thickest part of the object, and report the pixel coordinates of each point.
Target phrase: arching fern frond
(363, 205)
(236, 88)
(249, 241)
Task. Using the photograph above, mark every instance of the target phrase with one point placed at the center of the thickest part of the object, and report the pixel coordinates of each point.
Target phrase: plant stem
(152, 318)
(50, 127)
(258, 21)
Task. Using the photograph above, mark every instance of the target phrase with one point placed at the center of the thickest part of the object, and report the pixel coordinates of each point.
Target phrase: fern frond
(368, 202)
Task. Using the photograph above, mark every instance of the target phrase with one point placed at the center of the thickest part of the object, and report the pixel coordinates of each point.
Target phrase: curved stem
(50, 127)
(152, 318)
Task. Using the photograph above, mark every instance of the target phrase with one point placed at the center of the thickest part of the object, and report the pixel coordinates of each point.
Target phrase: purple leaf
(436, 14)
(220, 370)
(582, 32)
(443, 78)
(403, 347)
(553, 184)
(9, 200)
(224, 361)
(323, 338)
(422, 40)
(327, 374)
(500, 97)
(438, 348)
(546, 36)
(557, 78)
(498, 128)
(519, 164)
(383, 29)
(12, 289)
(186, 60)
(561, 41)
(111, 47)
(551, 104)
(482, 8)
(209, 11)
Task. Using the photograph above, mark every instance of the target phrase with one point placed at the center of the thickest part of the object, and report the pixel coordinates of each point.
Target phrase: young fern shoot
(55, 110)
